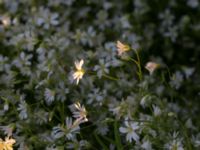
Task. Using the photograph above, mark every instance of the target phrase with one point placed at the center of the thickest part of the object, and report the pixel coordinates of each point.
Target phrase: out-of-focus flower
(79, 112)
(102, 128)
(1, 145)
(130, 131)
(156, 111)
(78, 74)
(45, 18)
(121, 109)
(176, 142)
(146, 145)
(5, 20)
(102, 68)
(152, 66)
(72, 128)
(78, 145)
(49, 95)
(177, 80)
(96, 96)
(193, 3)
(7, 144)
(121, 48)
(69, 131)
(61, 91)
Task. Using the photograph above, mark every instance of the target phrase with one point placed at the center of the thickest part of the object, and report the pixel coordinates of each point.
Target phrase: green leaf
(117, 136)
(100, 142)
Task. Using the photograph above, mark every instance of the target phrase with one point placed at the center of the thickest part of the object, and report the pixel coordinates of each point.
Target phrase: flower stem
(138, 64)
(110, 77)
(104, 75)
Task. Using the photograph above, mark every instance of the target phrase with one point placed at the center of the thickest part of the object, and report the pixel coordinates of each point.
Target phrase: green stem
(110, 77)
(104, 75)
(186, 135)
(138, 64)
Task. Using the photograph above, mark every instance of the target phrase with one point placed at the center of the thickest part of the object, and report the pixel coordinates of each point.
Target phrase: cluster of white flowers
(97, 74)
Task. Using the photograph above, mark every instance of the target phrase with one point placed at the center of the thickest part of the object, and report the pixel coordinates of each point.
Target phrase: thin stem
(139, 72)
(185, 134)
(110, 77)
(139, 65)
(168, 71)
(104, 75)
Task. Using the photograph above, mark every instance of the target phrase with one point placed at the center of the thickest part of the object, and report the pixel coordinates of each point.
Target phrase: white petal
(77, 81)
(123, 130)
(135, 136)
(76, 64)
(81, 63)
(129, 137)
(134, 126)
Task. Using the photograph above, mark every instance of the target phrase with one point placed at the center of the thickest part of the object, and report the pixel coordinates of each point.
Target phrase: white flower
(156, 111)
(5, 20)
(78, 74)
(151, 67)
(102, 128)
(121, 48)
(175, 143)
(49, 95)
(130, 130)
(193, 3)
(7, 144)
(79, 112)
(146, 145)
(145, 101)
(72, 128)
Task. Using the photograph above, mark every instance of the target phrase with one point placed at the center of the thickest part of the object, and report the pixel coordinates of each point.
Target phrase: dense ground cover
(99, 74)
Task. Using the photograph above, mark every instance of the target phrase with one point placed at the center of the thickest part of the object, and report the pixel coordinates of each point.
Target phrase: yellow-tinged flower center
(126, 47)
(122, 47)
(81, 71)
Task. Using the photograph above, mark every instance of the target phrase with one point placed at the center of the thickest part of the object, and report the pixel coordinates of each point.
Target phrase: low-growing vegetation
(99, 74)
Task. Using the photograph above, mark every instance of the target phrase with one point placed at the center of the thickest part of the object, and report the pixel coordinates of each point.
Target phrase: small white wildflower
(7, 144)
(78, 74)
(156, 111)
(146, 145)
(72, 128)
(49, 95)
(79, 112)
(177, 80)
(145, 101)
(151, 67)
(6, 21)
(175, 143)
(130, 131)
(121, 48)
(121, 109)
(102, 128)
(193, 3)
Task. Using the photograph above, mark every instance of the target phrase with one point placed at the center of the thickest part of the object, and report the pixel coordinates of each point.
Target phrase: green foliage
(99, 74)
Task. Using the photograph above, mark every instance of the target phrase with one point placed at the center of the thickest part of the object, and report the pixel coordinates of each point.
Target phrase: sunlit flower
(79, 112)
(121, 48)
(7, 144)
(5, 21)
(1, 144)
(152, 66)
(130, 131)
(78, 74)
